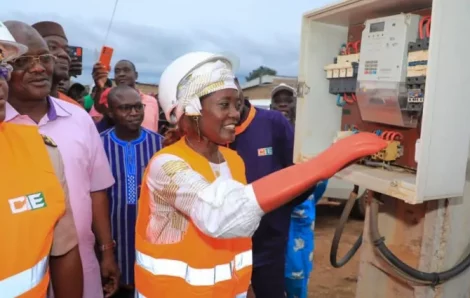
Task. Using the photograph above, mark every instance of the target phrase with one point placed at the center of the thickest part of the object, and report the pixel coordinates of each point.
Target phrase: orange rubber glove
(283, 186)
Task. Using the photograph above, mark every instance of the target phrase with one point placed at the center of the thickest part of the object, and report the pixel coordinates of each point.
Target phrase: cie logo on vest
(27, 203)
(265, 151)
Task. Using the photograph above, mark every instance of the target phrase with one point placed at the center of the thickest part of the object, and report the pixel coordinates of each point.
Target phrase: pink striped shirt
(86, 169)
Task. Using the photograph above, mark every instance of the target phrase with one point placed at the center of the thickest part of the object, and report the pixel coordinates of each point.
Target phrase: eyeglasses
(128, 108)
(25, 62)
(5, 71)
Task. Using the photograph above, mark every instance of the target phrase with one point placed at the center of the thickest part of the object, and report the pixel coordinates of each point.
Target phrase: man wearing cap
(265, 141)
(39, 240)
(284, 100)
(300, 246)
(86, 166)
(56, 39)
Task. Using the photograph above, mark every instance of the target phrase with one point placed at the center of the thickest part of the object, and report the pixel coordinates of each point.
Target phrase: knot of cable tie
(379, 241)
(436, 280)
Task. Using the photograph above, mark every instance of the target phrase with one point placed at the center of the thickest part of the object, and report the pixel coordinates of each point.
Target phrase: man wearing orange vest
(196, 214)
(39, 240)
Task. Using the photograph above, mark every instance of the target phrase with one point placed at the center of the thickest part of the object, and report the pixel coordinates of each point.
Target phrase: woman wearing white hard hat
(40, 244)
(196, 215)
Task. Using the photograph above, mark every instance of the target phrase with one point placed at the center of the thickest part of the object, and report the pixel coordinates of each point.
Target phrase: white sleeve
(222, 209)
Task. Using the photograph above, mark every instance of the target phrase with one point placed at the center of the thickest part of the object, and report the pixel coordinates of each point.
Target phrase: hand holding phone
(100, 75)
(102, 67)
(106, 56)
(76, 58)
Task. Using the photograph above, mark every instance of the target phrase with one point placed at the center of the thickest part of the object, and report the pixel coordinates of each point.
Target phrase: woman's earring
(196, 119)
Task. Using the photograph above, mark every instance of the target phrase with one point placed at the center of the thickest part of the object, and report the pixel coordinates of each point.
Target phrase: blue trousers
(267, 280)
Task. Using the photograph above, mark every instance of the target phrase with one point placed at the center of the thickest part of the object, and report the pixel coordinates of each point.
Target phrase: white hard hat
(9, 48)
(180, 69)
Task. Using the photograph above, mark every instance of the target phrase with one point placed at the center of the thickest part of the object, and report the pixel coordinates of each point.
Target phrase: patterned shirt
(224, 208)
(128, 161)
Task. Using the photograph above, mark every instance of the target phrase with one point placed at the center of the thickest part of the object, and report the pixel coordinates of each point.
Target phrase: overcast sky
(153, 33)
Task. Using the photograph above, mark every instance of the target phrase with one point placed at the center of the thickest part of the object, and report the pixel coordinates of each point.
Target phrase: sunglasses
(25, 62)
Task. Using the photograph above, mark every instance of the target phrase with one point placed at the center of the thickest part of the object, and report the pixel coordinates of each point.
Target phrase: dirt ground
(325, 280)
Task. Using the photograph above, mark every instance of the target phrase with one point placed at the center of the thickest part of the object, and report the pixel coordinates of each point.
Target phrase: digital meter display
(377, 27)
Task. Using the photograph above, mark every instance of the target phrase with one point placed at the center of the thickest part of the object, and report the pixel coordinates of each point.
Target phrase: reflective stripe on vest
(193, 276)
(24, 281)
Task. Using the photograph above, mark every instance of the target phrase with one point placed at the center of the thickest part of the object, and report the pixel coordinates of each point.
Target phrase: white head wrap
(207, 78)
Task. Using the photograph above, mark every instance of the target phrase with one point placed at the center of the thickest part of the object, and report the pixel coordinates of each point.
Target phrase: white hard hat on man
(9, 48)
(206, 72)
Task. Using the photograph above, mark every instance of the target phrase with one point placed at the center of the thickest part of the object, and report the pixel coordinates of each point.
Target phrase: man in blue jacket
(265, 141)
(300, 246)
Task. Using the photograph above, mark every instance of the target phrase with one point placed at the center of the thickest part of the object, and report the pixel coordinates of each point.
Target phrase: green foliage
(259, 72)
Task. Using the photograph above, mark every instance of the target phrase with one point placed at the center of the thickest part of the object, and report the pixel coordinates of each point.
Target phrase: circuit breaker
(418, 66)
(381, 89)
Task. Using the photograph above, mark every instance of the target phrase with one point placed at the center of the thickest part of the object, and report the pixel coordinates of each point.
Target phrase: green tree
(259, 72)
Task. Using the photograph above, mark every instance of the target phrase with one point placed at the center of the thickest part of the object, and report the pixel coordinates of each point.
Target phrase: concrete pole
(432, 236)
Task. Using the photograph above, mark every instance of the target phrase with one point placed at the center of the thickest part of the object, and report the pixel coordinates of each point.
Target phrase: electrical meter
(381, 90)
(384, 47)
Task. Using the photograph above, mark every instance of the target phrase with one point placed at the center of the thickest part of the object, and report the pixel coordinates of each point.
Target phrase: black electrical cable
(433, 278)
(339, 232)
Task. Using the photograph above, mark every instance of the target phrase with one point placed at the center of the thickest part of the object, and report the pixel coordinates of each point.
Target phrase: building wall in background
(147, 88)
(258, 92)
(144, 88)
(262, 90)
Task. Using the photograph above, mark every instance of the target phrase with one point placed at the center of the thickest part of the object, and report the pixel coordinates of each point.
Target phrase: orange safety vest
(198, 265)
(32, 201)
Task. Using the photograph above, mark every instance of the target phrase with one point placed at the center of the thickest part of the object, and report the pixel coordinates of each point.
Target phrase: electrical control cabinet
(409, 82)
